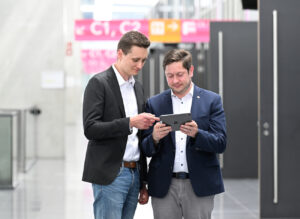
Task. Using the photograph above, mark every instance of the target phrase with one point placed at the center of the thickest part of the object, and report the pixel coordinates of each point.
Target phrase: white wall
(31, 42)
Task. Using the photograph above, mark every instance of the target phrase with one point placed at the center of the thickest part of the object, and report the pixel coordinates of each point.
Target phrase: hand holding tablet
(172, 122)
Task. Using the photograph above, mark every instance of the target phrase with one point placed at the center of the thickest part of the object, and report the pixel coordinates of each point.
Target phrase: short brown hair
(178, 55)
(133, 38)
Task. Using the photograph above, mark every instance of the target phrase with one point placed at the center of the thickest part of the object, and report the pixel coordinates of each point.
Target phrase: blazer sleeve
(143, 170)
(213, 139)
(96, 125)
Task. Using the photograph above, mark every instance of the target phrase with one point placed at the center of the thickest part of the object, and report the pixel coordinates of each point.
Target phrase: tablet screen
(175, 120)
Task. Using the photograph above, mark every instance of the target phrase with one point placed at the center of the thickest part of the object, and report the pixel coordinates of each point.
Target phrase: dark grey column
(279, 107)
(233, 74)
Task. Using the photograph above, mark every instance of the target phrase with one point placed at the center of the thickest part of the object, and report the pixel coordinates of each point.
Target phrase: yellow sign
(165, 30)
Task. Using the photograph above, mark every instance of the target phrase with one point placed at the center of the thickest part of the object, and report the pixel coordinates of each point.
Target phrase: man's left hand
(190, 128)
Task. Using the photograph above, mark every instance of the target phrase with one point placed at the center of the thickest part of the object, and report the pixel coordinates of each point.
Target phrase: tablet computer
(175, 120)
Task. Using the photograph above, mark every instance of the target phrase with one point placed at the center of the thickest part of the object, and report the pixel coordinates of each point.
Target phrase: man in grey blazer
(113, 109)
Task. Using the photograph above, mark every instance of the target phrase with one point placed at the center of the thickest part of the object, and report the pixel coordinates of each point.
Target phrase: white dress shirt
(182, 105)
(132, 152)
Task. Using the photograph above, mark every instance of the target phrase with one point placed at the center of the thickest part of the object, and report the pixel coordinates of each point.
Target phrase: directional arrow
(173, 26)
(79, 30)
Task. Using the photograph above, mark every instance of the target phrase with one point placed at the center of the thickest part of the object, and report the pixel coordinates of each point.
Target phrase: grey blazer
(107, 128)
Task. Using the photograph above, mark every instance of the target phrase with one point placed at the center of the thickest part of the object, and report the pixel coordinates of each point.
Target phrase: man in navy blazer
(184, 172)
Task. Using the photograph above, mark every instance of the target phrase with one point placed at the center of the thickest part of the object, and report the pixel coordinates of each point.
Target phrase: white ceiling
(118, 9)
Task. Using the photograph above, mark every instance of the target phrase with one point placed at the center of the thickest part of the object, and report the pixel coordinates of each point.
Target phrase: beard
(184, 89)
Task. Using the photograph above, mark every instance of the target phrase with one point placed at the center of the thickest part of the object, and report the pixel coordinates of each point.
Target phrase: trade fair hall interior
(244, 50)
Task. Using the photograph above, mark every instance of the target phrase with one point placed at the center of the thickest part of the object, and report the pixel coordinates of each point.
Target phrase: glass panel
(5, 151)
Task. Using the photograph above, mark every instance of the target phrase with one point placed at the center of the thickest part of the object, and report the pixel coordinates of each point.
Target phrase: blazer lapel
(195, 103)
(116, 90)
(139, 97)
(168, 106)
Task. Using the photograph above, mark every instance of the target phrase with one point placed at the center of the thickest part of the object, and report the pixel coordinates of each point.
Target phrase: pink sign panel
(95, 61)
(194, 31)
(107, 30)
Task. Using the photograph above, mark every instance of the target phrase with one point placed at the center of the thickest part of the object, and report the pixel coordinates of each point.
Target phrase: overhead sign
(194, 31)
(107, 30)
(164, 30)
(158, 30)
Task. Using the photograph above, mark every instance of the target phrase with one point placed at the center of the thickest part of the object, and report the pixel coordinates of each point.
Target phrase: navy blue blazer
(201, 151)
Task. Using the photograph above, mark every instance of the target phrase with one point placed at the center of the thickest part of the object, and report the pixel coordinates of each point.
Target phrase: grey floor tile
(53, 189)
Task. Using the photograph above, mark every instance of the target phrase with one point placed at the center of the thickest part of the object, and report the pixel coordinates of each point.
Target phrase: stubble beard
(181, 92)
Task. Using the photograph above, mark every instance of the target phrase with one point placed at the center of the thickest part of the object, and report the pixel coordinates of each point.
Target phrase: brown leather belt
(131, 164)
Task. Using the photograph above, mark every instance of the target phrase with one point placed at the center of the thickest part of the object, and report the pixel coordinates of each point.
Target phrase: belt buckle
(181, 175)
(129, 164)
(132, 165)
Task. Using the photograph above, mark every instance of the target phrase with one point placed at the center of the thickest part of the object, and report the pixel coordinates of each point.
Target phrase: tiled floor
(53, 189)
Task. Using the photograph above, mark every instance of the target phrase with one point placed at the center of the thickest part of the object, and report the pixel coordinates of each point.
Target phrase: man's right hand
(160, 131)
(143, 120)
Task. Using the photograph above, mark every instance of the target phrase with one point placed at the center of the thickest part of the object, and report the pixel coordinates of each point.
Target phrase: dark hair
(133, 38)
(178, 55)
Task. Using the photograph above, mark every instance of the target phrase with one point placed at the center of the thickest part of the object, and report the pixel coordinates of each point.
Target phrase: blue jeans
(117, 200)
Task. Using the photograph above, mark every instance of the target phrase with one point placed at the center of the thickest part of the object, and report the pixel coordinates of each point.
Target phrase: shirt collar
(121, 80)
(190, 93)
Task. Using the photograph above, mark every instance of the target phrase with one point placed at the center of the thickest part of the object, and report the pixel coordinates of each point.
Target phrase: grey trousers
(181, 202)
